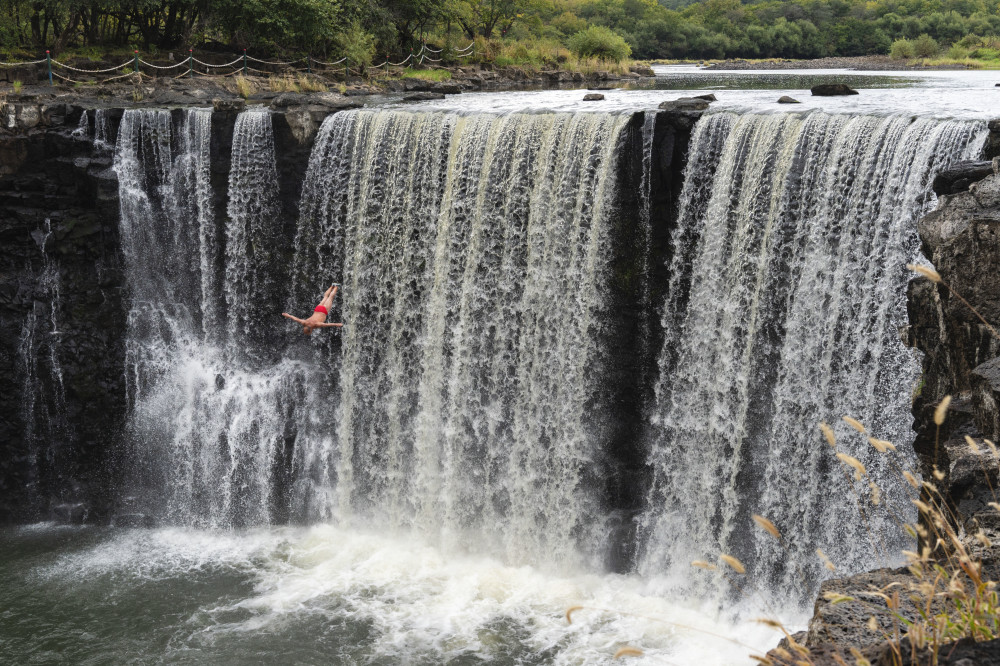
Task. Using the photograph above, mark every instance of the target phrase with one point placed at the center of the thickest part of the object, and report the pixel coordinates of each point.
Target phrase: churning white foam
(423, 604)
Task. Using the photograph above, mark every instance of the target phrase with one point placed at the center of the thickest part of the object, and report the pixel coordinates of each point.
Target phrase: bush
(600, 42)
(925, 46)
(901, 49)
(356, 45)
(956, 52)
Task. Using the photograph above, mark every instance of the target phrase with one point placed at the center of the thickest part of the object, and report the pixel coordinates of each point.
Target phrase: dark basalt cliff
(64, 299)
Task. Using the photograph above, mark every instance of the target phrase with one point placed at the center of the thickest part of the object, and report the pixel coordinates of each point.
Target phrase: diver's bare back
(319, 315)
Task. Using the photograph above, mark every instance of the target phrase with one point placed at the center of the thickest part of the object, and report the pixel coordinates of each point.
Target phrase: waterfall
(459, 398)
(786, 296)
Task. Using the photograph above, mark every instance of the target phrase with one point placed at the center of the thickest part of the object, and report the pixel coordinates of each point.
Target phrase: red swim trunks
(320, 308)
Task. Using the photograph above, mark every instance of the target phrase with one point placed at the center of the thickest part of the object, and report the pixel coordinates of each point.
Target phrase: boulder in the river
(710, 97)
(832, 90)
(422, 96)
(785, 99)
(593, 97)
(642, 70)
(685, 104)
(959, 176)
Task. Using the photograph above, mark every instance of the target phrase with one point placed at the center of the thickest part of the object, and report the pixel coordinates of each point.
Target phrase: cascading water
(786, 297)
(473, 251)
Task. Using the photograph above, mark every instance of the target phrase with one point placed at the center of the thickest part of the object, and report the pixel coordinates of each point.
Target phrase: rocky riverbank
(962, 360)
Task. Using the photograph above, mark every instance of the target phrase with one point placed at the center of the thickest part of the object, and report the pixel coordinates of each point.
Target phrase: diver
(318, 317)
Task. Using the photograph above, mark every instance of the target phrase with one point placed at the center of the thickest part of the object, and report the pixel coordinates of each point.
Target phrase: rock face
(593, 97)
(832, 90)
(785, 99)
(61, 319)
(958, 178)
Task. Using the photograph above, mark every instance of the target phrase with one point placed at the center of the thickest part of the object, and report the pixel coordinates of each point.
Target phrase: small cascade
(102, 130)
(786, 298)
(40, 348)
(251, 230)
(83, 126)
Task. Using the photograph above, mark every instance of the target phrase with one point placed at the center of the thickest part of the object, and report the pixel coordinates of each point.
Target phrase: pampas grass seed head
(826, 560)
(627, 652)
(851, 461)
(767, 526)
(926, 271)
(570, 611)
(942, 410)
(831, 439)
(702, 564)
(972, 444)
(854, 423)
(734, 563)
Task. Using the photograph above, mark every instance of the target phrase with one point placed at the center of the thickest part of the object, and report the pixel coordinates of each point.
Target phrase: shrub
(356, 45)
(600, 42)
(925, 46)
(901, 49)
(956, 52)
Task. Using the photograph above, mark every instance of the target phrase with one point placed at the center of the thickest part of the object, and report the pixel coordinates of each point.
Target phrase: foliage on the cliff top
(370, 29)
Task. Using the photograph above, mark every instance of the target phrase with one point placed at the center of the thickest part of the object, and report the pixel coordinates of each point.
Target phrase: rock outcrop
(832, 90)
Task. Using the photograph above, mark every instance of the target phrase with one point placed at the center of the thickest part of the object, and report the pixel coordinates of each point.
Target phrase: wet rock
(785, 99)
(447, 88)
(422, 96)
(231, 105)
(70, 513)
(832, 90)
(642, 70)
(685, 104)
(710, 97)
(958, 177)
(986, 399)
(593, 97)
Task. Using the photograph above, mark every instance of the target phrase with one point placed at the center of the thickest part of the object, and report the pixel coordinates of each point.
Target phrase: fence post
(309, 67)
(409, 63)
(387, 65)
(48, 61)
(138, 75)
(347, 68)
(244, 62)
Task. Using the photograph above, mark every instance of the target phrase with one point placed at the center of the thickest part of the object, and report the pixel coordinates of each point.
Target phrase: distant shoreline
(878, 63)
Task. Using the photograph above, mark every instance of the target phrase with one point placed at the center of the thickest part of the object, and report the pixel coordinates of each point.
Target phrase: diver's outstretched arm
(301, 321)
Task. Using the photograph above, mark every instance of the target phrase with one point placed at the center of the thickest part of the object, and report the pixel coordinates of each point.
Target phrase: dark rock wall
(961, 350)
(61, 319)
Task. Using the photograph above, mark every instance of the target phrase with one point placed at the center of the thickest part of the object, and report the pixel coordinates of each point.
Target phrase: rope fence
(133, 66)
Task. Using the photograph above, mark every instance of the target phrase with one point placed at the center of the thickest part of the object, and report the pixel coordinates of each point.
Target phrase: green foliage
(356, 45)
(925, 46)
(367, 30)
(901, 49)
(600, 42)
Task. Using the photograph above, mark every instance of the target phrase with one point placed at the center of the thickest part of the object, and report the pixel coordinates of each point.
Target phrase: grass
(17, 87)
(241, 85)
(428, 74)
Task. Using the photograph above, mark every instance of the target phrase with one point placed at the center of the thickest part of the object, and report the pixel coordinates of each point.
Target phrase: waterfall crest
(786, 298)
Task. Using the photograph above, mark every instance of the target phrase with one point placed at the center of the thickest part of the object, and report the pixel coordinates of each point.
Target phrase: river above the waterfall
(968, 94)
(321, 595)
